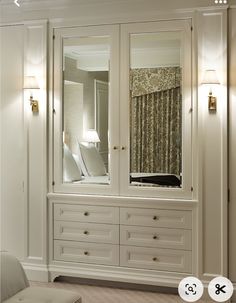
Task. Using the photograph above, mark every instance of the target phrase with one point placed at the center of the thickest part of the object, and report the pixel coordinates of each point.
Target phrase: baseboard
(116, 274)
(36, 272)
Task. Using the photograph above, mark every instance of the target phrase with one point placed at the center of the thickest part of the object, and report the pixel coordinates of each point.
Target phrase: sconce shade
(91, 136)
(30, 82)
(210, 77)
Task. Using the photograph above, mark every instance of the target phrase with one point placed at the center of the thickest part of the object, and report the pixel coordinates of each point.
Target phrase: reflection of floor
(99, 294)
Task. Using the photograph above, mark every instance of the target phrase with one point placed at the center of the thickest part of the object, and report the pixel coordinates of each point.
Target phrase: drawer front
(88, 232)
(85, 213)
(86, 252)
(156, 259)
(156, 217)
(156, 237)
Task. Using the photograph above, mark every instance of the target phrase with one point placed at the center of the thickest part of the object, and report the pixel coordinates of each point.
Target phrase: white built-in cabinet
(127, 48)
(136, 241)
(120, 231)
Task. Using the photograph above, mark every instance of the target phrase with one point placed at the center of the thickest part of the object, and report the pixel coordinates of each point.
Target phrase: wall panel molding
(35, 63)
(12, 138)
(212, 54)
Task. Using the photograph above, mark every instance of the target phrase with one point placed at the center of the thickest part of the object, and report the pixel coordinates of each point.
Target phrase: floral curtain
(156, 129)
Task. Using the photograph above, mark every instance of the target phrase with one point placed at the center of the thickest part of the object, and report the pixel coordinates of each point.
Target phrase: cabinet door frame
(184, 27)
(75, 32)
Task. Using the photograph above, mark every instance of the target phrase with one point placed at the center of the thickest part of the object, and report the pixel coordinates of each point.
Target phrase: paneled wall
(35, 63)
(232, 146)
(212, 54)
(12, 169)
(23, 144)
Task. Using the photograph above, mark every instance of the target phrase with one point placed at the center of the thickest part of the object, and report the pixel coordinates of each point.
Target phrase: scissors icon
(219, 289)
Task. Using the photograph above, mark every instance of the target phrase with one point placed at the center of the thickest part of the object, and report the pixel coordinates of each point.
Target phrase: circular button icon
(220, 289)
(190, 289)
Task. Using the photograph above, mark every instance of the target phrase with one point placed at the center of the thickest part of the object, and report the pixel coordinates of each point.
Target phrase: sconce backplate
(35, 106)
(212, 103)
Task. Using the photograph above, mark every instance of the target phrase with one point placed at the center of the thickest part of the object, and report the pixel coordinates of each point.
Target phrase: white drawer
(86, 252)
(156, 259)
(156, 217)
(85, 213)
(88, 232)
(156, 237)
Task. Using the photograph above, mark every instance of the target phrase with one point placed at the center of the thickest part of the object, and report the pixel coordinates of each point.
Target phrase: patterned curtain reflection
(156, 132)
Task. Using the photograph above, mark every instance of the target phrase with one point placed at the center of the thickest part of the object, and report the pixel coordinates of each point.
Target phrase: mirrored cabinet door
(156, 109)
(86, 92)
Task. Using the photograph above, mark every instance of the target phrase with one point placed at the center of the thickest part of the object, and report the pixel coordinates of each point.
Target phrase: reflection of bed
(137, 179)
(157, 179)
(88, 168)
(94, 180)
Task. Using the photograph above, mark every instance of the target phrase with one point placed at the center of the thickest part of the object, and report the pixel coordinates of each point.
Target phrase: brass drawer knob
(86, 232)
(155, 218)
(155, 237)
(154, 259)
(86, 253)
(123, 148)
(115, 147)
(86, 213)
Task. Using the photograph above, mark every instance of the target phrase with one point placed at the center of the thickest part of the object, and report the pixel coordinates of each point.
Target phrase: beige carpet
(101, 294)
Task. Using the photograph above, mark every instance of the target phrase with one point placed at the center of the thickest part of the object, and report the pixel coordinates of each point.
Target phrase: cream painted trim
(118, 274)
(123, 201)
(36, 272)
(35, 126)
(153, 16)
(203, 114)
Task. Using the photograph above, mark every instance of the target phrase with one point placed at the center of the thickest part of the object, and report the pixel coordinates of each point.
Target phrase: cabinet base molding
(116, 274)
(36, 272)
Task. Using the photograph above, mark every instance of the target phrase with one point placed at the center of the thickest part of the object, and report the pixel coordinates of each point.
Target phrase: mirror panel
(155, 109)
(85, 110)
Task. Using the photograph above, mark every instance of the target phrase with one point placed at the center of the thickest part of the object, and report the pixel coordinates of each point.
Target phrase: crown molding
(103, 9)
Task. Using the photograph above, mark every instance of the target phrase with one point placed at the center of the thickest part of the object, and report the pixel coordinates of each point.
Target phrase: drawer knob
(154, 259)
(155, 237)
(155, 218)
(86, 213)
(86, 253)
(86, 232)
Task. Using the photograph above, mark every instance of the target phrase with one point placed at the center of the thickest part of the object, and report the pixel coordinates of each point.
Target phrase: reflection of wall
(101, 88)
(72, 73)
(73, 114)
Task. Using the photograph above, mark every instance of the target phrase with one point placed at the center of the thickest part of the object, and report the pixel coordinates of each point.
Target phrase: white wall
(35, 63)
(12, 169)
(212, 45)
(73, 115)
(232, 147)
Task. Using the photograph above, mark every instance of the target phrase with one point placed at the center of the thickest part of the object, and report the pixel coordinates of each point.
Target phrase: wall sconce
(91, 136)
(210, 78)
(31, 83)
